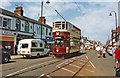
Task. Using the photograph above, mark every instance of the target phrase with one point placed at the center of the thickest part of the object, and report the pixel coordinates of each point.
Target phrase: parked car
(4, 55)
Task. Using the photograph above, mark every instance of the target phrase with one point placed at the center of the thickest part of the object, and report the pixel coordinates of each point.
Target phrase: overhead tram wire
(77, 6)
(80, 10)
(57, 13)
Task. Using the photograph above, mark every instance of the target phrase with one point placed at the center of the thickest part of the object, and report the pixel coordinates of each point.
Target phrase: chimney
(19, 11)
(42, 20)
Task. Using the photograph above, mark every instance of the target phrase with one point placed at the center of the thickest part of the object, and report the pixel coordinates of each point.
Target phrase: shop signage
(7, 33)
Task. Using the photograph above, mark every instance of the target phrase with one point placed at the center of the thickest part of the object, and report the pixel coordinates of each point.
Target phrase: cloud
(96, 23)
(91, 17)
(62, 0)
(4, 4)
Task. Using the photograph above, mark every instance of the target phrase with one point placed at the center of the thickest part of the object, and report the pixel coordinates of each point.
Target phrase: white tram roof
(29, 40)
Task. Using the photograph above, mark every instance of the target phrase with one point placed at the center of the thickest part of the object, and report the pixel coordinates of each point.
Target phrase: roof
(11, 14)
(29, 40)
(118, 29)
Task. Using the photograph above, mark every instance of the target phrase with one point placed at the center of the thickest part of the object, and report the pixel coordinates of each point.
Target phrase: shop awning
(5, 38)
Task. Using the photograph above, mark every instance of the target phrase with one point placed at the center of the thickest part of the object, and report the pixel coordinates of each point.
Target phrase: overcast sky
(91, 16)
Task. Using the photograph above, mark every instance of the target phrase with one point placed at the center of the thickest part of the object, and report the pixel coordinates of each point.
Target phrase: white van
(32, 47)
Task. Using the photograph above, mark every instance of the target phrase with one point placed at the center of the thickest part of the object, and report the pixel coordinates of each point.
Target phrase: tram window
(66, 25)
(58, 42)
(63, 26)
(24, 45)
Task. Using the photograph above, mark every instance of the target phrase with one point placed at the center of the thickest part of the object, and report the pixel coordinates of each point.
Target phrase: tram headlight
(57, 50)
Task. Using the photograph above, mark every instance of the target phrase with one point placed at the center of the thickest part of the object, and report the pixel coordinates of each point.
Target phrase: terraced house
(14, 27)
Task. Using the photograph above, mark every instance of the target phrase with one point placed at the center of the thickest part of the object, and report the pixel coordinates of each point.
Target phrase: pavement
(16, 56)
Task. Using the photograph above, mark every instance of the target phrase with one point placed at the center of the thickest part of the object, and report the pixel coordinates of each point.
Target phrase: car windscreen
(24, 45)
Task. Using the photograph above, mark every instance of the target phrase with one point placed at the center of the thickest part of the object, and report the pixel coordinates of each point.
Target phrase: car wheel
(38, 55)
(6, 59)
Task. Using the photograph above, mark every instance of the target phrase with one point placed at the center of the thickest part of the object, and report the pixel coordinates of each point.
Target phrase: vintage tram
(66, 38)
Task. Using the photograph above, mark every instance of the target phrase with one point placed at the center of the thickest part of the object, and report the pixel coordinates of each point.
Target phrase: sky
(91, 16)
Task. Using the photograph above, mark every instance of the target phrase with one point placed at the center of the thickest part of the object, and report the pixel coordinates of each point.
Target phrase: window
(42, 31)
(34, 44)
(26, 27)
(22, 25)
(6, 22)
(41, 45)
(66, 25)
(63, 26)
(50, 33)
(24, 45)
(18, 24)
(59, 42)
(46, 31)
(1, 21)
(37, 30)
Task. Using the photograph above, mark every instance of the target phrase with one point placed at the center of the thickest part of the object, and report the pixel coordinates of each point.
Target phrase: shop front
(7, 40)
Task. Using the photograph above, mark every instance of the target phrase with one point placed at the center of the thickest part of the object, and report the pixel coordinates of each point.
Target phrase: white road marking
(75, 66)
(81, 75)
(42, 75)
(83, 60)
(59, 67)
(68, 70)
(61, 63)
(92, 64)
(87, 57)
(11, 74)
(89, 65)
(81, 63)
(89, 70)
(48, 76)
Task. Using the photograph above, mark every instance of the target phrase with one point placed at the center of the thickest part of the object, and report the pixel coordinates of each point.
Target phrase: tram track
(33, 67)
(48, 75)
(44, 65)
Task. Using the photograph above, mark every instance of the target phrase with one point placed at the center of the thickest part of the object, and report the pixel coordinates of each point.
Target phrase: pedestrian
(101, 51)
(98, 50)
(113, 50)
(117, 60)
(104, 51)
(117, 57)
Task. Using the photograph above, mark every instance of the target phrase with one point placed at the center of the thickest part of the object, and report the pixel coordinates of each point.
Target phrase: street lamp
(115, 23)
(42, 14)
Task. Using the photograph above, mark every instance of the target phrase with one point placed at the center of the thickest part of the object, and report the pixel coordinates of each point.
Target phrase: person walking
(117, 60)
(117, 57)
(113, 50)
(104, 51)
(98, 50)
(101, 48)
